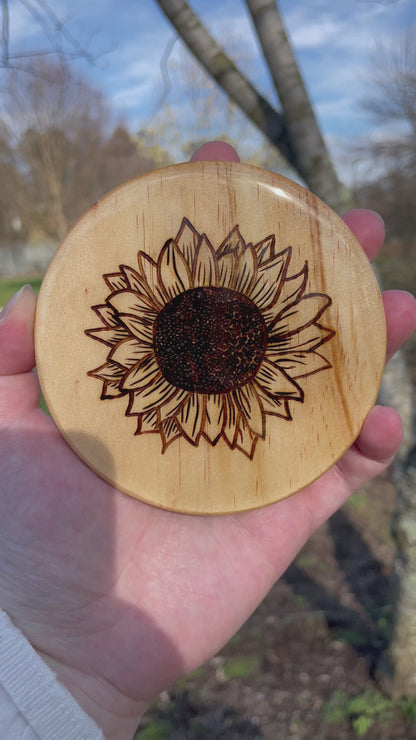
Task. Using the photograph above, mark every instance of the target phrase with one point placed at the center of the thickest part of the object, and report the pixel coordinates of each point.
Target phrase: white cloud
(313, 35)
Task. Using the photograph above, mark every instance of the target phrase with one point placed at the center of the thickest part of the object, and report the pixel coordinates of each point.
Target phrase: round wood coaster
(210, 338)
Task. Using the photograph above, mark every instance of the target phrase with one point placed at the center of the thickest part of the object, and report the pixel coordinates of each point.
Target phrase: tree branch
(226, 74)
(5, 31)
(53, 28)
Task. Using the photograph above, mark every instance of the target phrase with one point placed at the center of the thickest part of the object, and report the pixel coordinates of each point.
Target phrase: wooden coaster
(210, 338)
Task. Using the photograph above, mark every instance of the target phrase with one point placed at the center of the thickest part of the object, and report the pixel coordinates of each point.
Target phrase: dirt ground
(305, 665)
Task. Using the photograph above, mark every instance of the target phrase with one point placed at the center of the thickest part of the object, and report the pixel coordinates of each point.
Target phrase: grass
(241, 667)
(366, 709)
(158, 729)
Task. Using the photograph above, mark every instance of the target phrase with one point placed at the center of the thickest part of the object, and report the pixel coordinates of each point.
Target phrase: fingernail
(13, 301)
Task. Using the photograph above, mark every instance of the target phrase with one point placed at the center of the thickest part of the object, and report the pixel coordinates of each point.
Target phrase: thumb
(17, 318)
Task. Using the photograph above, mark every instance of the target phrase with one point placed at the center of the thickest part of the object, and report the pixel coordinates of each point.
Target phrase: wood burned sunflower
(210, 342)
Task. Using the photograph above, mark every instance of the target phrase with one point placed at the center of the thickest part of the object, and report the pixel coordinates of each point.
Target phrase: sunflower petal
(153, 396)
(149, 422)
(146, 423)
(134, 279)
(274, 406)
(174, 273)
(147, 270)
(129, 353)
(294, 287)
(187, 240)
(169, 431)
(191, 417)
(306, 340)
(139, 328)
(270, 279)
(301, 364)
(245, 440)
(251, 409)
(291, 292)
(173, 404)
(116, 281)
(234, 242)
(205, 269)
(134, 407)
(111, 389)
(131, 303)
(106, 314)
(140, 285)
(142, 375)
(276, 382)
(231, 422)
(227, 270)
(214, 417)
(108, 371)
(109, 336)
(246, 271)
(265, 249)
(300, 315)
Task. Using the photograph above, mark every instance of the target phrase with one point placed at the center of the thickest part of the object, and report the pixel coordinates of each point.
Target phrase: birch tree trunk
(225, 73)
(399, 672)
(309, 152)
(300, 142)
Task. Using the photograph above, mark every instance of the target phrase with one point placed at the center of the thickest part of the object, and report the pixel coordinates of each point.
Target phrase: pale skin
(120, 598)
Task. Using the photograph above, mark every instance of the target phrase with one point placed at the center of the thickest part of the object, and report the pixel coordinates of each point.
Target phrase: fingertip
(215, 151)
(381, 435)
(400, 310)
(16, 333)
(369, 229)
(18, 303)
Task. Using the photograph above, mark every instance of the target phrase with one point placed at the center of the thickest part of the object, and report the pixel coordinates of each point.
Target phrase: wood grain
(237, 347)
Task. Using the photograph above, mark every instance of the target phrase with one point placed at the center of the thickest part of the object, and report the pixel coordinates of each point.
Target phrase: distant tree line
(58, 152)
(391, 101)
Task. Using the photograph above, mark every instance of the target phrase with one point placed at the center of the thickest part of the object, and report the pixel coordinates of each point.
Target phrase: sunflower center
(210, 340)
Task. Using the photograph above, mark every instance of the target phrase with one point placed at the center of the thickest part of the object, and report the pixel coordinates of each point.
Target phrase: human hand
(120, 598)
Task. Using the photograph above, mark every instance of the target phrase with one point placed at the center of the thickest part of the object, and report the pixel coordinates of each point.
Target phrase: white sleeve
(33, 704)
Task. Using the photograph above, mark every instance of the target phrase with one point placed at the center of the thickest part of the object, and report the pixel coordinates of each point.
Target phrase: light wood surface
(210, 338)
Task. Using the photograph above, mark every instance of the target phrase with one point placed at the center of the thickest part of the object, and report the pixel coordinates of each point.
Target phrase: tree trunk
(296, 133)
(226, 74)
(398, 670)
(309, 152)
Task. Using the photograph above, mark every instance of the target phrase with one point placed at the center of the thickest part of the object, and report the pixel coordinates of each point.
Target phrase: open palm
(121, 598)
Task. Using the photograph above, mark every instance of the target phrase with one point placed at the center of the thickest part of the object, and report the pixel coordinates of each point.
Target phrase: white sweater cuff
(31, 697)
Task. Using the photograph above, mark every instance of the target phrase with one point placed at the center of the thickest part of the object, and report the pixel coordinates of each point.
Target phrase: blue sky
(332, 40)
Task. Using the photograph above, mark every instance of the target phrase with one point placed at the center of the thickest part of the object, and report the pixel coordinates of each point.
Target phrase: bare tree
(48, 111)
(11, 190)
(308, 155)
(198, 110)
(67, 153)
(392, 81)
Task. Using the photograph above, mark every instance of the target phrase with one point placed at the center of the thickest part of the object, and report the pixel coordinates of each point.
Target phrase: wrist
(116, 714)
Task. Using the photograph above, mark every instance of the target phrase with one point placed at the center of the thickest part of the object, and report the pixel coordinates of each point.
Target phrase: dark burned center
(210, 340)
